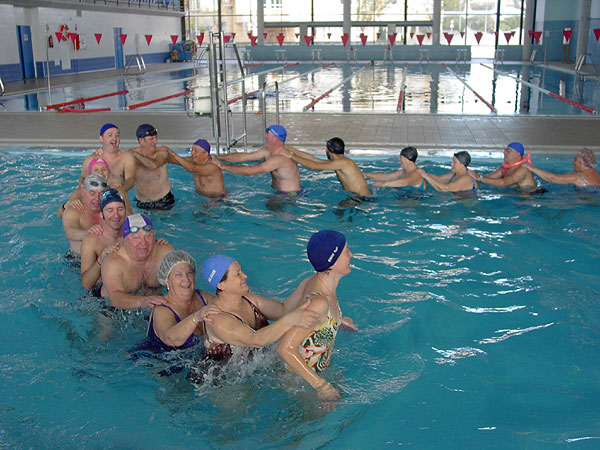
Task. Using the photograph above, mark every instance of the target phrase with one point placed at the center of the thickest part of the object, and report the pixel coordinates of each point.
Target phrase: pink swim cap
(95, 161)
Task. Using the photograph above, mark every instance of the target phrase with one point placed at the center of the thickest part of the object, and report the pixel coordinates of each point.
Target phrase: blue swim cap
(214, 269)
(145, 130)
(517, 147)
(204, 144)
(135, 223)
(324, 248)
(107, 126)
(278, 131)
(110, 196)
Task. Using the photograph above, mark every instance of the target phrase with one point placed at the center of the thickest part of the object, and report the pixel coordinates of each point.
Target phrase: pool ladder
(2, 90)
(139, 60)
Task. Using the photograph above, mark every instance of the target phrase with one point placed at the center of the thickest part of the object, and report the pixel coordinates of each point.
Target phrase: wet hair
(463, 157)
(410, 153)
(336, 145)
(587, 158)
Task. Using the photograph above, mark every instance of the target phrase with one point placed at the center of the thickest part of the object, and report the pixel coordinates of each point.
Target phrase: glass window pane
(453, 6)
(511, 6)
(328, 10)
(482, 6)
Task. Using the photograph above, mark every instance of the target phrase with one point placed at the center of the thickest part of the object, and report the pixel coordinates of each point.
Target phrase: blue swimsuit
(155, 340)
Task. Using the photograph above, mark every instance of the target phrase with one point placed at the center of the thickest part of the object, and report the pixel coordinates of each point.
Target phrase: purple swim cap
(203, 143)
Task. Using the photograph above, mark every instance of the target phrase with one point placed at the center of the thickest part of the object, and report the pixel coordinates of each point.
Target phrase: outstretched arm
(243, 157)
(516, 177)
(152, 163)
(318, 164)
(384, 176)
(128, 171)
(188, 164)
(557, 178)
(302, 154)
(269, 165)
(173, 333)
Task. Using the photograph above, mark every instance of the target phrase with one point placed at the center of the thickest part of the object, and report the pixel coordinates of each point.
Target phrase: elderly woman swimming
(585, 174)
(307, 350)
(243, 317)
(180, 321)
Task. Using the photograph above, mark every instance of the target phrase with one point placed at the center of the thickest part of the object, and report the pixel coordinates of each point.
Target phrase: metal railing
(2, 90)
(263, 107)
(160, 5)
(138, 60)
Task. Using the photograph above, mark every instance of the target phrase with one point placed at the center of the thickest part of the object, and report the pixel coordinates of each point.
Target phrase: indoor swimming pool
(478, 317)
(474, 88)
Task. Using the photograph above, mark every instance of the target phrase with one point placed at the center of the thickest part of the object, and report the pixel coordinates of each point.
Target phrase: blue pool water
(428, 88)
(478, 320)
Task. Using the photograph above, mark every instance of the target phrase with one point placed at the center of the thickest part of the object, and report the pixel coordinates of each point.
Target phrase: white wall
(9, 50)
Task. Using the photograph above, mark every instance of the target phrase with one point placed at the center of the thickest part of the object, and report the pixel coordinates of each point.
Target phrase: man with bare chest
(129, 274)
(121, 163)
(152, 185)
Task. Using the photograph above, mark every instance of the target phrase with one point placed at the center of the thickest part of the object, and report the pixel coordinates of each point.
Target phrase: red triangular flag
(597, 33)
(345, 38)
(98, 36)
(508, 36)
(411, 34)
(233, 36)
(265, 35)
(478, 36)
(352, 47)
(174, 38)
(148, 38)
(307, 39)
(567, 32)
(297, 35)
(280, 38)
(253, 40)
(462, 34)
(378, 36)
(328, 35)
(363, 38)
(420, 38)
(58, 36)
(537, 35)
(428, 35)
(392, 38)
(200, 38)
(226, 38)
(123, 38)
(448, 37)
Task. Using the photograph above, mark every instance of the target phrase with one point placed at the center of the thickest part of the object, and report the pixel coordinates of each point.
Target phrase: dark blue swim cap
(203, 143)
(107, 126)
(145, 130)
(110, 196)
(324, 248)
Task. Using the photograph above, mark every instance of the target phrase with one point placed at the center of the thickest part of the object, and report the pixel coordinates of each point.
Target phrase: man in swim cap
(407, 176)
(120, 162)
(348, 173)
(208, 177)
(285, 175)
(512, 172)
(152, 185)
(76, 223)
(94, 246)
(129, 275)
(457, 180)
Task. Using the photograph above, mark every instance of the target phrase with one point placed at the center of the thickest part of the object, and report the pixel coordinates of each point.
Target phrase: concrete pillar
(437, 22)
(260, 21)
(347, 12)
(303, 32)
(583, 30)
(528, 25)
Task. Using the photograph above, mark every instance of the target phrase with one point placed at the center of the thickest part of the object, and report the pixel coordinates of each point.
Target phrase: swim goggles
(151, 132)
(134, 229)
(94, 183)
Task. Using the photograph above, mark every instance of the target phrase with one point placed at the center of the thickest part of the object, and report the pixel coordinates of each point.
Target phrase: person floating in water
(208, 177)
(179, 321)
(285, 175)
(307, 351)
(121, 163)
(152, 185)
(95, 246)
(243, 317)
(407, 176)
(129, 274)
(457, 180)
(512, 172)
(348, 173)
(76, 223)
(585, 174)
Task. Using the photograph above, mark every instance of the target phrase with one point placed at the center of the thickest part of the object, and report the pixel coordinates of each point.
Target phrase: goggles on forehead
(152, 132)
(94, 183)
(133, 230)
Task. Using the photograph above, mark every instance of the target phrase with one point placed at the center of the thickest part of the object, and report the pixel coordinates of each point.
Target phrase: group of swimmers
(122, 260)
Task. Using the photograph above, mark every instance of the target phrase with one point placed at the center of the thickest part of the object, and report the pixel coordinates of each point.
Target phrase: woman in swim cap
(179, 322)
(407, 176)
(243, 317)
(308, 351)
(457, 180)
(585, 174)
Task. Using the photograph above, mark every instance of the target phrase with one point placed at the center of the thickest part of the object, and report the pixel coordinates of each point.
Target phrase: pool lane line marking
(85, 99)
(470, 88)
(325, 94)
(545, 91)
(399, 107)
(78, 110)
(156, 100)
